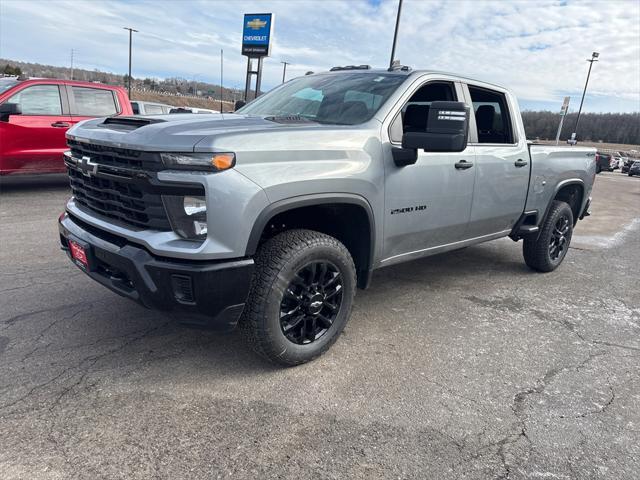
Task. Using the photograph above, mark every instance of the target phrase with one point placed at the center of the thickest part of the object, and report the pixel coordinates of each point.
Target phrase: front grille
(124, 186)
(134, 160)
(118, 200)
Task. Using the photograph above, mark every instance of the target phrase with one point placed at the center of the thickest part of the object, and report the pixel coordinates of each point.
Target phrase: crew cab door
(427, 204)
(33, 141)
(502, 162)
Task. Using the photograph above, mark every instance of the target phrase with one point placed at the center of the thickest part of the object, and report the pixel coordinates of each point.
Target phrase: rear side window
(93, 102)
(39, 100)
(153, 109)
(492, 116)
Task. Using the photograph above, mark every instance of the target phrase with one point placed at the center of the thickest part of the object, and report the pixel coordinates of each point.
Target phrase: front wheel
(300, 298)
(546, 252)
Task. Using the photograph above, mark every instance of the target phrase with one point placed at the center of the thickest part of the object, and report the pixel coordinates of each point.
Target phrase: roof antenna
(395, 35)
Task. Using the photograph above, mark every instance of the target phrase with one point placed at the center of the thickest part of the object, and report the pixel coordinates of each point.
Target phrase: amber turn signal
(223, 161)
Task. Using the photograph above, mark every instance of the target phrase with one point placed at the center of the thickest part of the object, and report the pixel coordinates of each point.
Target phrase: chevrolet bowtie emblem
(87, 167)
(256, 24)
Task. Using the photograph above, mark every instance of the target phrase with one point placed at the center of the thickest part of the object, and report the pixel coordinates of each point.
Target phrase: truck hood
(178, 132)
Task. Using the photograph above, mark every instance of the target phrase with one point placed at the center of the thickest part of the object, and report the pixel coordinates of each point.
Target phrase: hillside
(174, 85)
(180, 100)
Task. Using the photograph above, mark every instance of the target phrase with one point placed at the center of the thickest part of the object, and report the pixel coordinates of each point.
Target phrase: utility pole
(131, 30)
(72, 64)
(594, 58)
(284, 70)
(221, 77)
(395, 35)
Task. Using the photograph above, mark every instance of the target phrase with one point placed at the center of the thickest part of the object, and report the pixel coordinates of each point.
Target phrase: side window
(93, 102)
(415, 113)
(39, 100)
(492, 116)
(153, 110)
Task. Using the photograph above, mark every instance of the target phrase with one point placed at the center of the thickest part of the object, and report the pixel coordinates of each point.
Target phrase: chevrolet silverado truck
(270, 218)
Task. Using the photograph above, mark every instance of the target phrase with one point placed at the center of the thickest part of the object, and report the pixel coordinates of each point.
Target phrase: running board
(524, 230)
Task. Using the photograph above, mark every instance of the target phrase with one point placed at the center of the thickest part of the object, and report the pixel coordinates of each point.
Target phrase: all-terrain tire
(277, 262)
(546, 252)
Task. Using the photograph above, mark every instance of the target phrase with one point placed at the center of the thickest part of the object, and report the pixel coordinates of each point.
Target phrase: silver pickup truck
(271, 217)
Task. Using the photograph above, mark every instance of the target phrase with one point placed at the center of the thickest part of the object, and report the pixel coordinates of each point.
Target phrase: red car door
(33, 142)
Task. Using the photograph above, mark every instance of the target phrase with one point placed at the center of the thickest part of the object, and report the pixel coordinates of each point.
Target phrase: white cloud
(538, 48)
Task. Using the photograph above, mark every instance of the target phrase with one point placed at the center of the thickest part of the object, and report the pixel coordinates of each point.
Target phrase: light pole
(284, 69)
(72, 64)
(594, 58)
(395, 35)
(131, 30)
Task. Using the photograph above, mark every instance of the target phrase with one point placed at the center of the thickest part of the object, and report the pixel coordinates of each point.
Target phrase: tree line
(594, 127)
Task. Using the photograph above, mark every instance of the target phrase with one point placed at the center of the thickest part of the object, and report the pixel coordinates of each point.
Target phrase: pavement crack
(22, 316)
(92, 360)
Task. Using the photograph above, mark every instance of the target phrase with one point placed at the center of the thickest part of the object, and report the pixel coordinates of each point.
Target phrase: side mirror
(447, 129)
(8, 109)
(239, 104)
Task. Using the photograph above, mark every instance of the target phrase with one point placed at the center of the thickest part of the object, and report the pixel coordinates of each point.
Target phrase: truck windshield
(340, 99)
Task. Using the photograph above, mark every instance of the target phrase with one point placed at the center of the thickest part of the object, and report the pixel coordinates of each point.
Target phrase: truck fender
(560, 186)
(291, 203)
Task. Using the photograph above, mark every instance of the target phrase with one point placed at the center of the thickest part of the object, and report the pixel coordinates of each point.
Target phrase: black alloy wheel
(311, 302)
(546, 251)
(558, 242)
(300, 298)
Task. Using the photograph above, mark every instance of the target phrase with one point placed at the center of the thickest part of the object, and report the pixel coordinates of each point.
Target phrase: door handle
(520, 163)
(463, 165)
(61, 124)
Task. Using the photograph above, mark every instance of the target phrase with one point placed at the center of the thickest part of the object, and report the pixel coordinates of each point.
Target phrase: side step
(525, 230)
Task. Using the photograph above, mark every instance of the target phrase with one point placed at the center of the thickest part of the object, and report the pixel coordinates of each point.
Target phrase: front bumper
(206, 293)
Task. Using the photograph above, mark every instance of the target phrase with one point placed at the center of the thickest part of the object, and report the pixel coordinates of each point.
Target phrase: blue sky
(538, 48)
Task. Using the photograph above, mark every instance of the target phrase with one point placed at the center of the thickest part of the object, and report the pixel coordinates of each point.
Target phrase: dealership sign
(256, 34)
(565, 106)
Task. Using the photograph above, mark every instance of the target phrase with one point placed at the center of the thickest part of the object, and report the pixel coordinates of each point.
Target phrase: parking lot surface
(463, 365)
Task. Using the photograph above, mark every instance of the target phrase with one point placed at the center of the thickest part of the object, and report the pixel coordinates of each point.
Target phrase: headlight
(212, 162)
(187, 215)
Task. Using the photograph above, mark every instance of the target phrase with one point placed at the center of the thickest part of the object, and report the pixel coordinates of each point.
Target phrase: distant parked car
(627, 165)
(635, 169)
(617, 161)
(191, 110)
(150, 108)
(35, 114)
(603, 162)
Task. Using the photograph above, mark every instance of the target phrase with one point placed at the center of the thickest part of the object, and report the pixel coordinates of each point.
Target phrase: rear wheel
(546, 252)
(301, 296)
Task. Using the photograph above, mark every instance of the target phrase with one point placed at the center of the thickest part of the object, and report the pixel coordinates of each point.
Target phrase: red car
(36, 114)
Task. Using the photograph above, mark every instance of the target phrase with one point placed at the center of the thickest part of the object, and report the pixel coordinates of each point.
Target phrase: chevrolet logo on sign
(256, 24)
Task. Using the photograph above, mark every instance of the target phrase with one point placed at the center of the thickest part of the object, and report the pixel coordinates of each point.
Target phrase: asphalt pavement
(463, 365)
